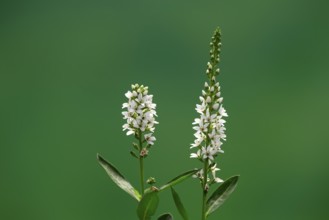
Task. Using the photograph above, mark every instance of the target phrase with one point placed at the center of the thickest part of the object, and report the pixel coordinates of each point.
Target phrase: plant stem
(204, 205)
(204, 190)
(141, 162)
(141, 167)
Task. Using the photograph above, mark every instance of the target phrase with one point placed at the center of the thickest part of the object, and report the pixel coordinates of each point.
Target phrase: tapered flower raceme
(140, 113)
(210, 125)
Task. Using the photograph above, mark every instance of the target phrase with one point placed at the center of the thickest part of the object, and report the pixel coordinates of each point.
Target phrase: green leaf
(148, 205)
(178, 179)
(179, 204)
(118, 178)
(166, 216)
(221, 194)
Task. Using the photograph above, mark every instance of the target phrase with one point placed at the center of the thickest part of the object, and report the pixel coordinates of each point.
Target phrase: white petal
(215, 106)
(129, 94)
(130, 132)
(218, 180)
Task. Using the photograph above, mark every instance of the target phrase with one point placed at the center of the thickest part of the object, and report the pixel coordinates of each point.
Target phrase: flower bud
(150, 180)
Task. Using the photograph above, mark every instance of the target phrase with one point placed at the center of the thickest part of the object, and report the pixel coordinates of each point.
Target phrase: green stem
(141, 162)
(141, 168)
(204, 206)
(204, 190)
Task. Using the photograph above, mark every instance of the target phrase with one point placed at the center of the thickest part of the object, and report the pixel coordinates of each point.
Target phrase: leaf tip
(100, 158)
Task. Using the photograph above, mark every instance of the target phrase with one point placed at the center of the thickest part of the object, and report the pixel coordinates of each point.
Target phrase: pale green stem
(141, 167)
(141, 162)
(204, 190)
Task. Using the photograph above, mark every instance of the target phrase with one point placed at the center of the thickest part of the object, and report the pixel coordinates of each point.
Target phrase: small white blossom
(149, 138)
(200, 176)
(201, 108)
(213, 170)
(215, 106)
(208, 153)
(196, 155)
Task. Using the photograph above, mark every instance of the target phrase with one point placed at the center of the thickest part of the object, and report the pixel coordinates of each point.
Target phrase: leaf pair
(215, 200)
(149, 202)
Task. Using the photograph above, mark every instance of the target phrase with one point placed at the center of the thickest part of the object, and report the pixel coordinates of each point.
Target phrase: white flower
(201, 108)
(199, 175)
(222, 111)
(208, 153)
(218, 180)
(130, 132)
(213, 170)
(196, 155)
(215, 106)
(129, 95)
(202, 126)
(149, 138)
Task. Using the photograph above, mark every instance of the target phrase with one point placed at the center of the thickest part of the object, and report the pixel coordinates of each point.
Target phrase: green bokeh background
(64, 69)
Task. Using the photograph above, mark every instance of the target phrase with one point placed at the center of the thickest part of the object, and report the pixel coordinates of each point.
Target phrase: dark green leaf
(179, 204)
(178, 179)
(148, 205)
(166, 216)
(221, 194)
(118, 178)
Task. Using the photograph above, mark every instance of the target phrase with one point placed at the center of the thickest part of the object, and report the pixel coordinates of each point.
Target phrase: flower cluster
(140, 114)
(213, 169)
(210, 129)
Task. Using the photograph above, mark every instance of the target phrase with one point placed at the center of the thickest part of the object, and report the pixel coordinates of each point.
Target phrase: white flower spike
(140, 113)
(209, 126)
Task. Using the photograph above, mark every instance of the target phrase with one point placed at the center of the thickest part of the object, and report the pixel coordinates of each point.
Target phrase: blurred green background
(64, 69)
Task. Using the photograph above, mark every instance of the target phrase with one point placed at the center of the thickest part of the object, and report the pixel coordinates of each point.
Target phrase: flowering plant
(140, 114)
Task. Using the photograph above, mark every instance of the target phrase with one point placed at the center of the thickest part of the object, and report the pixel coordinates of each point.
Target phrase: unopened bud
(150, 180)
(135, 146)
(144, 152)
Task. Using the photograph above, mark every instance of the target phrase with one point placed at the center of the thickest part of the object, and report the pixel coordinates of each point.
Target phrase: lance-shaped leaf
(166, 216)
(118, 178)
(179, 204)
(221, 194)
(148, 205)
(178, 179)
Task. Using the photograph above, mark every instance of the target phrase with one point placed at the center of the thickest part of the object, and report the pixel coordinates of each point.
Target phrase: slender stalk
(203, 217)
(141, 168)
(204, 189)
(141, 162)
